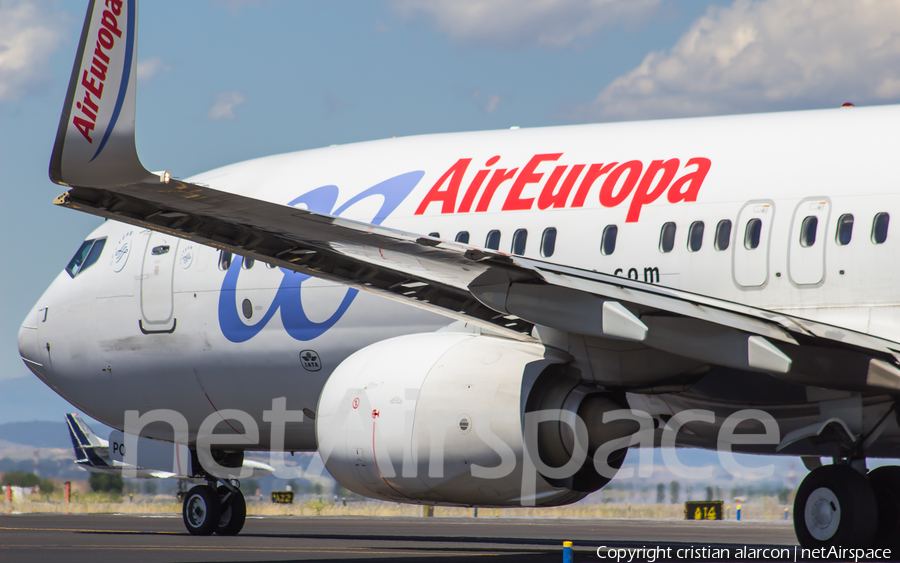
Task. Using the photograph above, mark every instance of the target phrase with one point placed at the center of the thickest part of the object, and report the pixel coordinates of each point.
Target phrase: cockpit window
(87, 255)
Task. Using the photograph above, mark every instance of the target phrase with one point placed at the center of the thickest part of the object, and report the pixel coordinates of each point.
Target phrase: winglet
(81, 434)
(79, 440)
(86, 443)
(95, 140)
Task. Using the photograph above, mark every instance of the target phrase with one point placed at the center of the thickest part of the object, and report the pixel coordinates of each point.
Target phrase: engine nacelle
(439, 418)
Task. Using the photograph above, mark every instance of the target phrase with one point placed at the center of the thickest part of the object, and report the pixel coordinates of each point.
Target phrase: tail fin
(90, 449)
(95, 139)
(83, 438)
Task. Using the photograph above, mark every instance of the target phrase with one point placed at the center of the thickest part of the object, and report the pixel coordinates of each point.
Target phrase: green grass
(98, 503)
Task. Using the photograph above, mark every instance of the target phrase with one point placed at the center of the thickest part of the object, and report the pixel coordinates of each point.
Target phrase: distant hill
(37, 434)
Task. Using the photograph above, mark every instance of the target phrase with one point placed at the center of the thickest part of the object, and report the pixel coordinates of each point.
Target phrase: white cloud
(147, 68)
(764, 55)
(29, 34)
(225, 104)
(492, 102)
(516, 24)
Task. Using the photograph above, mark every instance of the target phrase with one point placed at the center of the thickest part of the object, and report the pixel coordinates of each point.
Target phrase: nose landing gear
(207, 510)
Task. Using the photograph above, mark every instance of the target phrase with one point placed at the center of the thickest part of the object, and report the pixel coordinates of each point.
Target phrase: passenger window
(695, 236)
(723, 234)
(667, 237)
(518, 243)
(248, 263)
(271, 266)
(548, 242)
(751, 235)
(493, 240)
(463, 237)
(86, 256)
(844, 230)
(435, 235)
(608, 242)
(224, 260)
(808, 231)
(880, 228)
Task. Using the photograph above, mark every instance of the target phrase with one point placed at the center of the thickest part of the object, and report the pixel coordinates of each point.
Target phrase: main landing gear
(842, 506)
(207, 510)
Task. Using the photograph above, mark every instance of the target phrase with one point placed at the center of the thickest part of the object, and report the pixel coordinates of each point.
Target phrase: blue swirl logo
(287, 299)
(120, 254)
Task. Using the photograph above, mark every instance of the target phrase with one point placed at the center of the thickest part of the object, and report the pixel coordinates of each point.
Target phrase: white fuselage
(174, 330)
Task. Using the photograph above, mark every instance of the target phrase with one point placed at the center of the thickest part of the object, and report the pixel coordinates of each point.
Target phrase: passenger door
(156, 284)
(750, 260)
(806, 249)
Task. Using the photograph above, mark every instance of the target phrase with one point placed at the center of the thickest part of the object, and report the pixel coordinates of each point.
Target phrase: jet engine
(451, 418)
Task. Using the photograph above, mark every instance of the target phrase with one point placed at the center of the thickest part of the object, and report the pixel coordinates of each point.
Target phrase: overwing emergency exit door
(157, 308)
(750, 260)
(806, 249)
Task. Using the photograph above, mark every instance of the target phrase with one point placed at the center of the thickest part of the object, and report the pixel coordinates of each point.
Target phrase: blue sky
(227, 81)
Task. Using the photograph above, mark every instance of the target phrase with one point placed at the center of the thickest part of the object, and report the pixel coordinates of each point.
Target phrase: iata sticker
(309, 359)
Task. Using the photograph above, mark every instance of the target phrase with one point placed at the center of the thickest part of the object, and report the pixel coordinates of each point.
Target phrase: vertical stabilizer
(88, 445)
(95, 140)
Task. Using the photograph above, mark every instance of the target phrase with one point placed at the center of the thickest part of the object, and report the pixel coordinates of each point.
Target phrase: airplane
(93, 453)
(469, 319)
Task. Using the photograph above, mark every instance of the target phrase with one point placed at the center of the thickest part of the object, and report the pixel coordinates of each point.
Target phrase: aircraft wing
(492, 289)
(509, 294)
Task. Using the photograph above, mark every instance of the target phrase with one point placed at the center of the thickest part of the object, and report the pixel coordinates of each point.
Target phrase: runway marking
(220, 548)
(92, 531)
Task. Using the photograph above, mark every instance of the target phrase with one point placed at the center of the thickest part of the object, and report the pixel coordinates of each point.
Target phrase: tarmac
(131, 538)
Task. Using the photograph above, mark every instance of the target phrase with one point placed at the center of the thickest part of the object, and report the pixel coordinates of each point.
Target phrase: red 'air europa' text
(95, 79)
(567, 186)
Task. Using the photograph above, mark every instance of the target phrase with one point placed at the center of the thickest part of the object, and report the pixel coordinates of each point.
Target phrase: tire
(200, 510)
(835, 506)
(232, 517)
(885, 483)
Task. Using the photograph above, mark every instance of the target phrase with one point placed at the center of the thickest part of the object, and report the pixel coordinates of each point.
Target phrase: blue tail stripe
(126, 75)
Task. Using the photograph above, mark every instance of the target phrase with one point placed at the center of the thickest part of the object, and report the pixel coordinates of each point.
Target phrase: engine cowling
(439, 418)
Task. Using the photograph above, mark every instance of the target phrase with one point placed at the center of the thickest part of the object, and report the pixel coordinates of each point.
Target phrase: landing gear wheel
(232, 516)
(835, 506)
(885, 483)
(201, 510)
